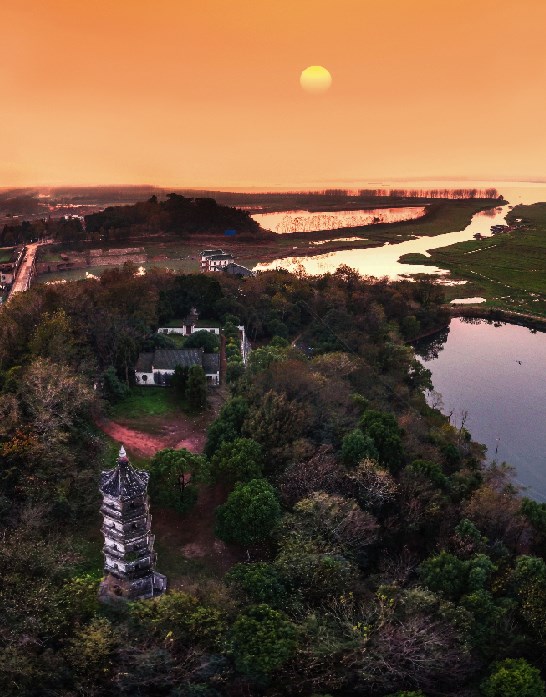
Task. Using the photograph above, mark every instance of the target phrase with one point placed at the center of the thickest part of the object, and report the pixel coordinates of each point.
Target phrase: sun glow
(315, 79)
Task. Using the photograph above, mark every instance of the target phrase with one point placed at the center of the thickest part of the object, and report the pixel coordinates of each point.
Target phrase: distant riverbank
(507, 269)
(498, 315)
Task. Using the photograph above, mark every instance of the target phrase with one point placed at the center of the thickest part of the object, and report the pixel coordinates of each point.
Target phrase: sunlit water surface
(304, 221)
(383, 261)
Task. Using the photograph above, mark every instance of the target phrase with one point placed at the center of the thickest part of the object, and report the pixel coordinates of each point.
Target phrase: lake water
(383, 261)
(498, 375)
(304, 221)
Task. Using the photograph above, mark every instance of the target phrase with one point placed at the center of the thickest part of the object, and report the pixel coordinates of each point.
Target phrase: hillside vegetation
(366, 548)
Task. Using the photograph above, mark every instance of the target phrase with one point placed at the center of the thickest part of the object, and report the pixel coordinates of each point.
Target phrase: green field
(145, 404)
(509, 269)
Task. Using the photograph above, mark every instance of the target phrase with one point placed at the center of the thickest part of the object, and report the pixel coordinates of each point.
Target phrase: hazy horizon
(207, 95)
(447, 182)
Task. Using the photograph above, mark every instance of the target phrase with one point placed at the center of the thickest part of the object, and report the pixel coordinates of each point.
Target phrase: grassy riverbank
(183, 255)
(509, 269)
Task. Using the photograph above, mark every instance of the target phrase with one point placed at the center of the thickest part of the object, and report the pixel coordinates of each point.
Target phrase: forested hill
(176, 214)
(359, 545)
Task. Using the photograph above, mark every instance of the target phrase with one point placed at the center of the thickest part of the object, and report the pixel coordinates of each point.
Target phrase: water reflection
(341, 239)
(495, 372)
(305, 221)
(383, 261)
(428, 349)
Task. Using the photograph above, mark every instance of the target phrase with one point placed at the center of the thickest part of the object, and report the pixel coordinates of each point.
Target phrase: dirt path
(177, 435)
(180, 431)
(24, 274)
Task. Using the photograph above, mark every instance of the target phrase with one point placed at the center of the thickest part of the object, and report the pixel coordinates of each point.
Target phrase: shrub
(250, 513)
(238, 460)
(261, 581)
(262, 640)
(514, 677)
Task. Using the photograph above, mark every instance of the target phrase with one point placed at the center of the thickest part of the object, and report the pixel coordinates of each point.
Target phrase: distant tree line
(182, 216)
(490, 193)
(177, 214)
(60, 229)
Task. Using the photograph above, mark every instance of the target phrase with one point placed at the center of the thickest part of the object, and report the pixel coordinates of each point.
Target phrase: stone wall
(94, 257)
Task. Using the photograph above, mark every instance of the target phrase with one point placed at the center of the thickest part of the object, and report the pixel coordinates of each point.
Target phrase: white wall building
(190, 325)
(157, 368)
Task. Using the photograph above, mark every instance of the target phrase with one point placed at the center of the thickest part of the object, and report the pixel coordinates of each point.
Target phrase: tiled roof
(168, 359)
(209, 252)
(237, 270)
(123, 482)
(144, 363)
(211, 362)
(175, 324)
(217, 257)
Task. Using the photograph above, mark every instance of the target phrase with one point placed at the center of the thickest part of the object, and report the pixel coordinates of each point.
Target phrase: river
(383, 261)
(497, 374)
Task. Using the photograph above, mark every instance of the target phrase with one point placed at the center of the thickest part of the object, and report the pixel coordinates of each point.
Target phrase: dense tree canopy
(176, 214)
(363, 547)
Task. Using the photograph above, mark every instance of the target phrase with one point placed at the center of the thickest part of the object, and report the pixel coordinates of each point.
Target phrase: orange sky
(206, 93)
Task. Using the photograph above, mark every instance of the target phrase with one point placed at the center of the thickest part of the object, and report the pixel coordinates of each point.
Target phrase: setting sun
(315, 79)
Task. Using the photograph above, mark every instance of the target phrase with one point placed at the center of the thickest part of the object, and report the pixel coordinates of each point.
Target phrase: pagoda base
(113, 588)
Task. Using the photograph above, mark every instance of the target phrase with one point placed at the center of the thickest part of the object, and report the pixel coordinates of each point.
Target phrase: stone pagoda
(129, 556)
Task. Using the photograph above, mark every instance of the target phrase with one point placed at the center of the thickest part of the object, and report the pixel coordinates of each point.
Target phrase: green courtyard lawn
(178, 339)
(148, 407)
(508, 269)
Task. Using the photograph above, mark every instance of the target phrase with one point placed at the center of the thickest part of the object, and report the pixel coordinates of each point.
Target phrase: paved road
(21, 283)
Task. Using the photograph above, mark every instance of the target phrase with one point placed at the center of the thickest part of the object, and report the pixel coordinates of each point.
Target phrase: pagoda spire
(129, 557)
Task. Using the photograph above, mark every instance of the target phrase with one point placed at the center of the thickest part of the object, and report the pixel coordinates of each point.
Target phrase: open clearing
(152, 418)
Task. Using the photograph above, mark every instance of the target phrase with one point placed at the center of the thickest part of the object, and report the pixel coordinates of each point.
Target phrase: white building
(206, 253)
(190, 325)
(215, 260)
(157, 368)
